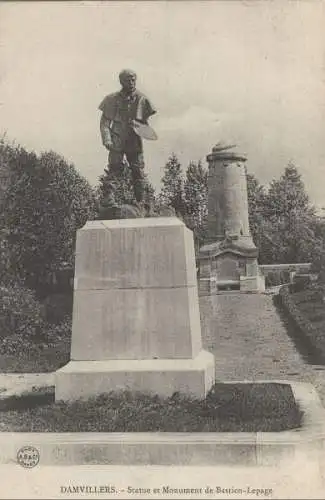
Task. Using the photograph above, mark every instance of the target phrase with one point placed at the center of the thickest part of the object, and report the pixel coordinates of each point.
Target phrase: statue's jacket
(118, 110)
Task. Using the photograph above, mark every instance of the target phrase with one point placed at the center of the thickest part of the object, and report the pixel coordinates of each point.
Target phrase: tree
(123, 187)
(45, 201)
(172, 192)
(196, 200)
(318, 261)
(260, 226)
(290, 219)
(256, 195)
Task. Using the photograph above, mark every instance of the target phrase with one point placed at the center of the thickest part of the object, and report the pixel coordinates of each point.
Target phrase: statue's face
(128, 82)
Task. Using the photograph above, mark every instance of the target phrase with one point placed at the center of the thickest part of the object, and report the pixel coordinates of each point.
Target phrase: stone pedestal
(136, 321)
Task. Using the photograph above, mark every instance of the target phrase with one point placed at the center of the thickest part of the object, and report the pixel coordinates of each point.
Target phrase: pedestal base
(207, 286)
(84, 379)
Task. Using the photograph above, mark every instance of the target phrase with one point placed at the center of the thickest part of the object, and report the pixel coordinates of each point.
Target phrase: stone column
(229, 239)
(136, 320)
(227, 200)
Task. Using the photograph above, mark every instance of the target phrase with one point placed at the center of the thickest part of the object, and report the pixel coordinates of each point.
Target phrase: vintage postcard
(162, 250)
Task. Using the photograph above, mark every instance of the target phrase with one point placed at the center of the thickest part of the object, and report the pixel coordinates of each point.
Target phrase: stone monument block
(136, 320)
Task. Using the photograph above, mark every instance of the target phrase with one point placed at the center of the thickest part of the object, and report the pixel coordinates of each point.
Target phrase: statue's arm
(145, 109)
(105, 131)
(149, 110)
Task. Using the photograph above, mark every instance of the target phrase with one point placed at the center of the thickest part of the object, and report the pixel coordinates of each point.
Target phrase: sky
(245, 72)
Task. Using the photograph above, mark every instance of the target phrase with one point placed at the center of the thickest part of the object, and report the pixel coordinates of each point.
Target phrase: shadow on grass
(29, 400)
(264, 407)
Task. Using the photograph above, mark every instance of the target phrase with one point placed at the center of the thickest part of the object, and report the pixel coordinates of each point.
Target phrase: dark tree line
(283, 222)
(43, 201)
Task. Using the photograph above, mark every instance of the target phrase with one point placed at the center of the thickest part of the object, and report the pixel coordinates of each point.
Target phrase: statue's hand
(108, 145)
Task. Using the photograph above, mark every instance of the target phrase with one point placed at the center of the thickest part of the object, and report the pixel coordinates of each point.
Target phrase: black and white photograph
(162, 249)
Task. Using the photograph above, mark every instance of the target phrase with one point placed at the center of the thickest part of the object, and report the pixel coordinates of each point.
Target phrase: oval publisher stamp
(28, 457)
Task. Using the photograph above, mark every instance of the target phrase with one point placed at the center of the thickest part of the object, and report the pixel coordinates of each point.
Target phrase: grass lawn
(227, 408)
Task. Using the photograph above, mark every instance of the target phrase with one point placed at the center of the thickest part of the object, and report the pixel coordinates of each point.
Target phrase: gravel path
(251, 342)
(17, 383)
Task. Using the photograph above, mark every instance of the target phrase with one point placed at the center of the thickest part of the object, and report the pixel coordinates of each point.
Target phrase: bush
(23, 354)
(276, 278)
(21, 314)
(312, 333)
(59, 334)
(44, 202)
(300, 282)
(58, 307)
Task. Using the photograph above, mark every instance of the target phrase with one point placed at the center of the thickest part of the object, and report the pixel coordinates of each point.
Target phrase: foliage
(196, 200)
(45, 201)
(256, 196)
(306, 310)
(318, 262)
(282, 221)
(300, 282)
(289, 220)
(28, 341)
(19, 355)
(172, 192)
(59, 332)
(123, 187)
(276, 278)
(58, 307)
(7, 272)
(21, 315)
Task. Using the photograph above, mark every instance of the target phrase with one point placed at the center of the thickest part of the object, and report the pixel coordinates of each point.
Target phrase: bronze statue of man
(122, 113)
